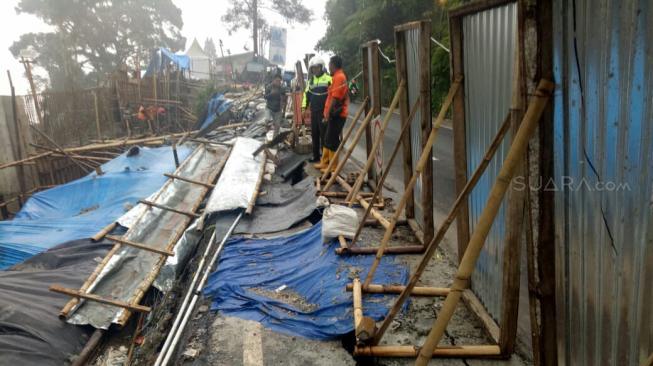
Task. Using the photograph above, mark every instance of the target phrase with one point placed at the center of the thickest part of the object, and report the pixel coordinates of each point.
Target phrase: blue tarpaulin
(252, 272)
(80, 208)
(162, 56)
(217, 105)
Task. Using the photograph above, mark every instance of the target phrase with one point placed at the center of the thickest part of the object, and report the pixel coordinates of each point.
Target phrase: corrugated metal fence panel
(413, 70)
(489, 39)
(604, 174)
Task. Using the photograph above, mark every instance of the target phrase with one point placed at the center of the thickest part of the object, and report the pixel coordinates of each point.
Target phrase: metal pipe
(185, 311)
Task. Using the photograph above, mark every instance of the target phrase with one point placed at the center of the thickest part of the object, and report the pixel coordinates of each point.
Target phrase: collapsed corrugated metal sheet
(604, 180)
(489, 40)
(237, 184)
(129, 270)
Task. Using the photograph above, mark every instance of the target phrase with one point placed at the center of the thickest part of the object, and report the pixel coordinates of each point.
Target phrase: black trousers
(334, 129)
(318, 132)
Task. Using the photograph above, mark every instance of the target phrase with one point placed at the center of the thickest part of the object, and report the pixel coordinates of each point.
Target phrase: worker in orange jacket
(336, 110)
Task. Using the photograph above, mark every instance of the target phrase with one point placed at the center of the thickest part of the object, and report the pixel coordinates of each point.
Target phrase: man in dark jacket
(275, 96)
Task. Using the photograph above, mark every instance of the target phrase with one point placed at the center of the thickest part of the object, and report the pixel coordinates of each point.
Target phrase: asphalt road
(444, 189)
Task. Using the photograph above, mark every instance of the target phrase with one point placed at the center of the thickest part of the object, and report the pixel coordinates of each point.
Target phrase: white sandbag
(338, 220)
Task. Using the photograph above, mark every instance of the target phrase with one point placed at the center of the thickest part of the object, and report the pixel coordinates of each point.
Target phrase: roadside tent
(200, 62)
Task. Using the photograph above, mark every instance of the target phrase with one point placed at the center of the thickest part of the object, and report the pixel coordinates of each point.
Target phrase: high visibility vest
(316, 92)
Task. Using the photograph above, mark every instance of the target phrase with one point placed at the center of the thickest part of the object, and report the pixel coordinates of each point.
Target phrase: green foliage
(350, 23)
(91, 38)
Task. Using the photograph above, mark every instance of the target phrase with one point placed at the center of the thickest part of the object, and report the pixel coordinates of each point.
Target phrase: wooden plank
(402, 73)
(175, 176)
(139, 245)
(475, 7)
(425, 93)
(407, 26)
(167, 208)
(96, 298)
(459, 144)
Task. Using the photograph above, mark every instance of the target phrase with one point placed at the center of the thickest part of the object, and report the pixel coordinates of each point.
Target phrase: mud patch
(286, 296)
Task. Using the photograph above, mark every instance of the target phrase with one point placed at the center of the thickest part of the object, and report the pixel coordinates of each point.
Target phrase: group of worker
(326, 99)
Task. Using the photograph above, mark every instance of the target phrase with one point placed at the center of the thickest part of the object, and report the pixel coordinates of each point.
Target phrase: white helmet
(316, 61)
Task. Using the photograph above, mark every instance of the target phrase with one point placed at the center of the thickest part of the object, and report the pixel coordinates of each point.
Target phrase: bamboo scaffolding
(396, 289)
(421, 163)
(435, 242)
(475, 245)
(345, 138)
(348, 151)
(401, 89)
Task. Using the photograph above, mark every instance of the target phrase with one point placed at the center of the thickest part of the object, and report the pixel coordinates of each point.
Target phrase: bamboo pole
(96, 298)
(102, 233)
(401, 89)
(259, 180)
(379, 186)
(466, 267)
(404, 249)
(375, 213)
(345, 138)
(421, 163)
(141, 246)
(348, 151)
(396, 289)
(435, 242)
(167, 208)
(97, 116)
(363, 326)
(59, 148)
(178, 177)
(444, 351)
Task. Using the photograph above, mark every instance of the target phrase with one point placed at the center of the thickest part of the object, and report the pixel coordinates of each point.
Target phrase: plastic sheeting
(80, 208)
(217, 105)
(161, 56)
(237, 182)
(307, 271)
(30, 331)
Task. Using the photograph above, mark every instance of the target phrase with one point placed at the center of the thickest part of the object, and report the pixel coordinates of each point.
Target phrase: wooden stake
(96, 298)
(421, 163)
(401, 89)
(432, 246)
(348, 152)
(475, 245)
(140, 246)
(345, 138)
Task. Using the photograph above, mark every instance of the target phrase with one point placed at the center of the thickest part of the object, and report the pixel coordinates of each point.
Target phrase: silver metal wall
(413, 70)
(489, 40)
(603, 130)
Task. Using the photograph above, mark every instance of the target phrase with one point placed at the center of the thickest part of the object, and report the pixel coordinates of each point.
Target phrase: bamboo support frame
(92, 297)
(348, 151)
(379, 186)
(421, 163)
(475, 245)
(345, 138)
(375, 213)
(444, 351)
(401, 89)
(435, 242)
(188, 180)
(142, 246)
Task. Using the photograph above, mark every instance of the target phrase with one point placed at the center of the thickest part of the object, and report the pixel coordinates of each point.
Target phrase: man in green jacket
(315, 97)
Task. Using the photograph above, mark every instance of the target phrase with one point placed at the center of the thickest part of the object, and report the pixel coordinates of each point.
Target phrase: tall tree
(351, 23)
(209, 48)
(91, 38)
(247, 14)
